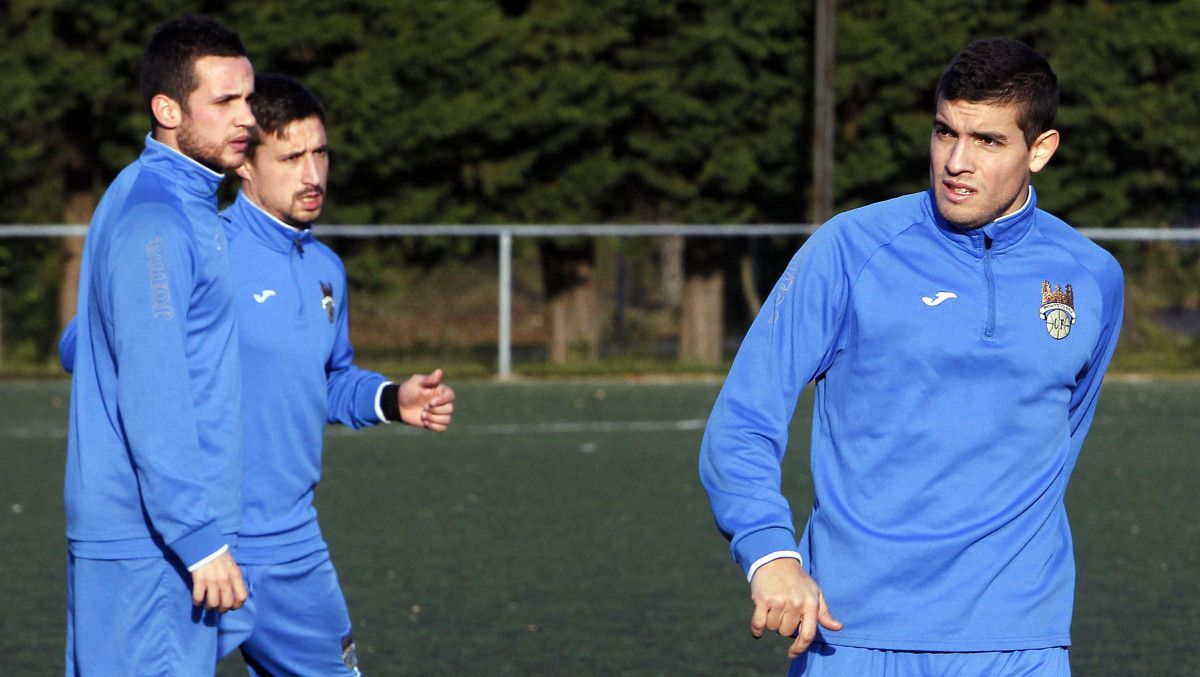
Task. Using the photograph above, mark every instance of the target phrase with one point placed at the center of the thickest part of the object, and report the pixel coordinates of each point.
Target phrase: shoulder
(1089, 255)
(328, 257)
(855, 235)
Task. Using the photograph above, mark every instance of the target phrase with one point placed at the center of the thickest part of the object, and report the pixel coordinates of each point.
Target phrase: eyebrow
(982, 135)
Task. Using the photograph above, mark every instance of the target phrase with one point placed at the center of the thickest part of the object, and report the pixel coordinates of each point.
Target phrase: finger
(788, 622)
(212, 597)
(808, 623)
(825, 616)
(440, 406)
(774, 616)
(443, 410)
(239, 590)
(432, 380)
(197, 593)
(758, 620)
(798, 647)
(442, 420)
(226, 597)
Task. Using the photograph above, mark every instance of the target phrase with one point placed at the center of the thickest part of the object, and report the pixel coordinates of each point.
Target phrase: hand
(218, 584)
(426, 402)
(785, 597)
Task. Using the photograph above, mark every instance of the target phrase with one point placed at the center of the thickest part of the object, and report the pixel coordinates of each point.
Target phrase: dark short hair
(278, 101)
(169, 62)
(1004, 71)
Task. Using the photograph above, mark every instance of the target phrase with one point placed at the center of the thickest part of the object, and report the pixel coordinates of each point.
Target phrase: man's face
(215, 128)
(979, 164)
(286, 176)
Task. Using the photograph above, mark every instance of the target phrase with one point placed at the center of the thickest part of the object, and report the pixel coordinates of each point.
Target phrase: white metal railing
(506, 233)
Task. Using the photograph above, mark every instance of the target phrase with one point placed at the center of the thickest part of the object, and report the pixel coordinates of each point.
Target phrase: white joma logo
(266, 294)
(939, 297)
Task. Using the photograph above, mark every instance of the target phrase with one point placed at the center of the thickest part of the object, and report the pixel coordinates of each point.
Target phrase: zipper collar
(184, 172)
(998, 236)
(267, 229)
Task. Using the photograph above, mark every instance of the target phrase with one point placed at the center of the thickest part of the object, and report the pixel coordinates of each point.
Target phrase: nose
(245, 116)
(312, 175)
(959, 160)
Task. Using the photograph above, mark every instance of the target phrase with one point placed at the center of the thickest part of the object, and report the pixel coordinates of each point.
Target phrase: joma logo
(160, 289)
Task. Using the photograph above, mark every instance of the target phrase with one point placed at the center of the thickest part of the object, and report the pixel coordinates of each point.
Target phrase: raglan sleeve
(352, 392)
(792, 341)
(1087, 390)
(150, 280)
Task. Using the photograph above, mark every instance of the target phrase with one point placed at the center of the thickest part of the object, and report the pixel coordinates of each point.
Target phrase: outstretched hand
(786, 597)
(426, 402)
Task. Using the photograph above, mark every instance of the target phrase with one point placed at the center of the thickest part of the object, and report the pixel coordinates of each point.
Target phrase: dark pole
(823, 111)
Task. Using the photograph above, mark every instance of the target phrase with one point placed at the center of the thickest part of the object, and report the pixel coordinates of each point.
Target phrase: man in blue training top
(153, 473)
(290, 293)
(957, 339)
(298, 375)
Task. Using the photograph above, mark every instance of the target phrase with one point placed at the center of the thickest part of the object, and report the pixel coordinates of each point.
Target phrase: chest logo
(1058, 309)
(327, 299)
(938, 298)
(265, 294)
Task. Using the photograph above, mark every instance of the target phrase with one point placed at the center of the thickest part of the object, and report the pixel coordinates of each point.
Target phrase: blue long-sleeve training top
(298, 376)
(153, 452)
(956, 376)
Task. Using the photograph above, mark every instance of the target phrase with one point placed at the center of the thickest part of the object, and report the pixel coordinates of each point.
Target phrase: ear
(1043, 149)
(167, 111)
(243, 171)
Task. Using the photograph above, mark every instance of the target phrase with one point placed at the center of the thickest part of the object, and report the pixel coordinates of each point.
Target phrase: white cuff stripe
(771, 557)
(210, 558)
(379, 401)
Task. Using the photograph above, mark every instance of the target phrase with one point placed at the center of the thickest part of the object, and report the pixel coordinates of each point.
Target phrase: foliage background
(689, 111)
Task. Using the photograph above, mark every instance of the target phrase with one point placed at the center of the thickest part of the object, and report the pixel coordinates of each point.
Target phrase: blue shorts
(135, 617)
(824, 660)
(295, 621)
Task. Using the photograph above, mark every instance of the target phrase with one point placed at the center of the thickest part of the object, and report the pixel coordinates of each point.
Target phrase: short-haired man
(153, 472)
(299, 374)
(957, 339)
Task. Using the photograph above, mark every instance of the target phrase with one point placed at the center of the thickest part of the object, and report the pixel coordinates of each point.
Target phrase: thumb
(825, 617)
(432, 380)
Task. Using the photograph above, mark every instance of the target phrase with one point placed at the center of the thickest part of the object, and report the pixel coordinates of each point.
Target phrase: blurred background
(610, 112)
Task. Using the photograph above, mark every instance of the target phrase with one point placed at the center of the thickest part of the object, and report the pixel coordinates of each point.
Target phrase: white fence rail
(506, 233)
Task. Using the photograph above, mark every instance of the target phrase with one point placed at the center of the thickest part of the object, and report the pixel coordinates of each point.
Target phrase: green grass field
(560, 529)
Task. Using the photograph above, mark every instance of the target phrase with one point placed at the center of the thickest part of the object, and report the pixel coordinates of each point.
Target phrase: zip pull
(299, 247)
(987, 243)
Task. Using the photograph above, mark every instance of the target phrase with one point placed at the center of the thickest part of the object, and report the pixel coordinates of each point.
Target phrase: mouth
(239, 144)
(311, 201)
(957, 192)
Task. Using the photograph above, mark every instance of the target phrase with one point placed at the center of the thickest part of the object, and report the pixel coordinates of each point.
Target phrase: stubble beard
(206, 153)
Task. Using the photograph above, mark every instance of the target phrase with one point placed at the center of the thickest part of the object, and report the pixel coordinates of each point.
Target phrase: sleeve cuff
(385, 394)
(771, 557)
(199, 544)
(752, 547)
(206, 560)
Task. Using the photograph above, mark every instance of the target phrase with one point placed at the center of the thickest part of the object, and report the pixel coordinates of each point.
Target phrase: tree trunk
(569, 279)
(670, 252)
(702, 324)
(78, 209)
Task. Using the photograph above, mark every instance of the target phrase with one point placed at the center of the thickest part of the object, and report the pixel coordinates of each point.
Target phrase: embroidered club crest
(327, 299)
(1058, 309)
(350, 654)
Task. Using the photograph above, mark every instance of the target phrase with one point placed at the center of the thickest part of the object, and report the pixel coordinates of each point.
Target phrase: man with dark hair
(957, 339)
(153, 473)
(290, 294)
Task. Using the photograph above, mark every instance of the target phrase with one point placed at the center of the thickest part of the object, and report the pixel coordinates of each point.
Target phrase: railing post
(504, 344)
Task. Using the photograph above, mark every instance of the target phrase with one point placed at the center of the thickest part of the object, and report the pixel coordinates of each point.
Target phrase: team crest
(327, 299)
(1058, 309)
(349, 654)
